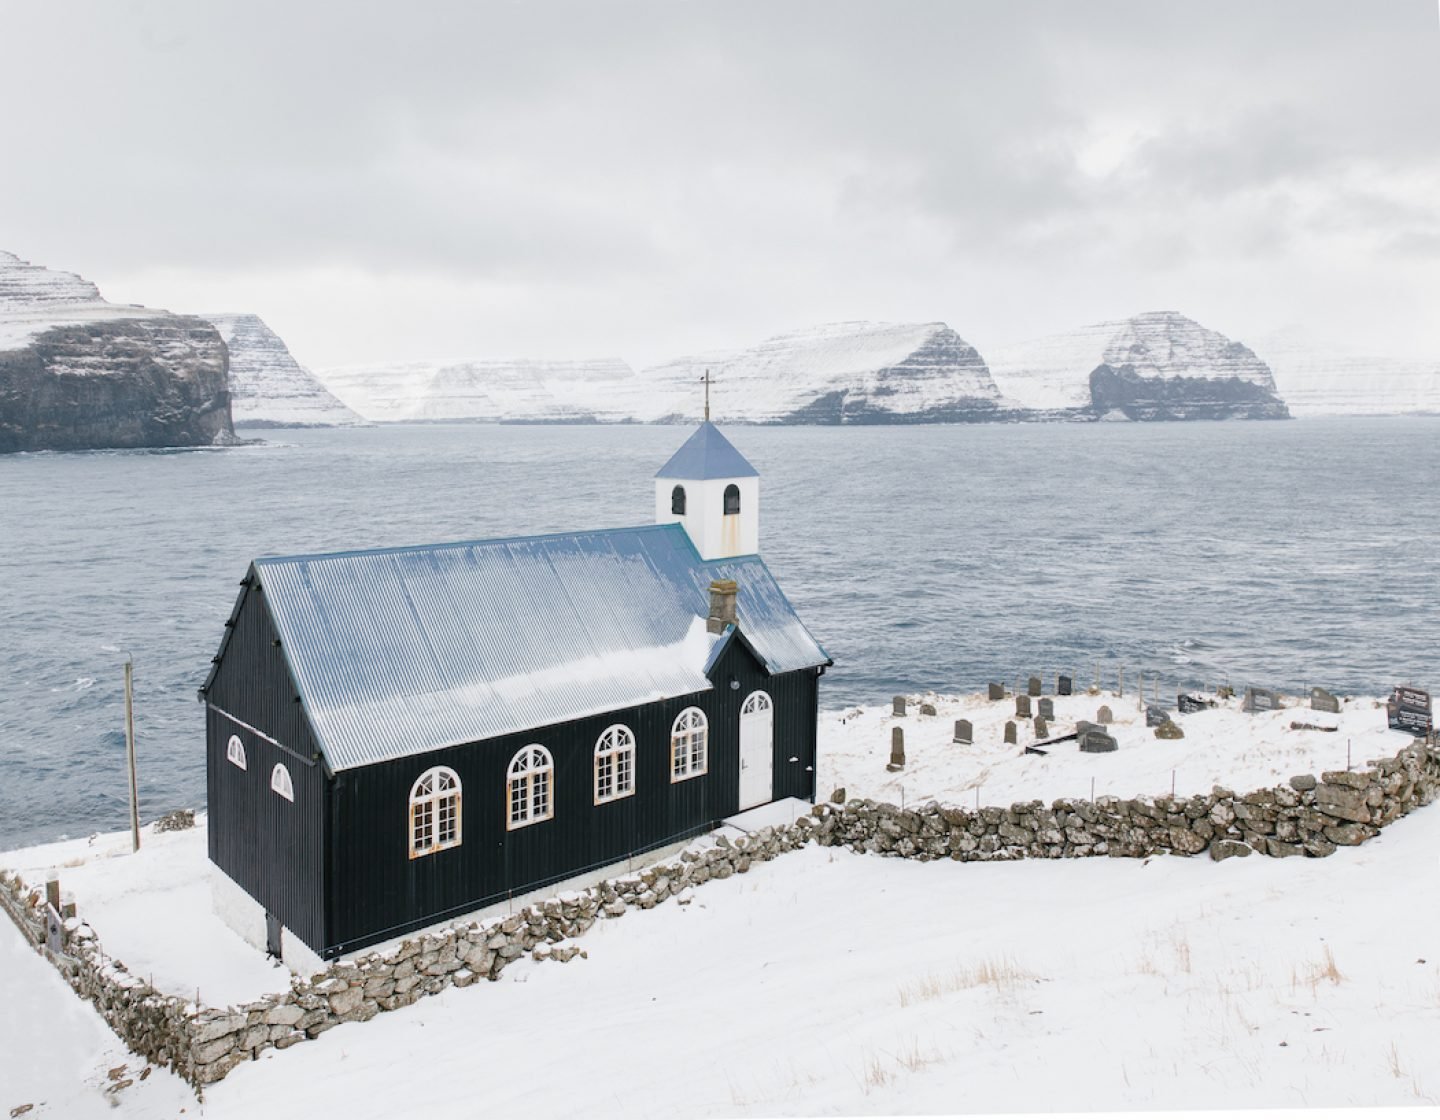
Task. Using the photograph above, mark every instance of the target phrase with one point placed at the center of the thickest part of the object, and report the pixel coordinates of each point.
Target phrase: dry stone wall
(1309, 816)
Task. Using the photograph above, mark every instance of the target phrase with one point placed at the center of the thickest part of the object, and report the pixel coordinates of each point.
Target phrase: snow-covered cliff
(268, 387)
(837, 373)
(1324, 381)
(521, 390)
(79, 373)
(1156, 366)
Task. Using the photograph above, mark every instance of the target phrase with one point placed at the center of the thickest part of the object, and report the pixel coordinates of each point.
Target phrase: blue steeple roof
(707, 454)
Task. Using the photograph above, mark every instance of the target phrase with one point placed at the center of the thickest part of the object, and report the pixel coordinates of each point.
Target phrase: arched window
(732, 499)
(280, 782)
(677, 501)
(689, 739)
(530, 780)
(756, 704)
(614, 764)
(434, 811)
(235, 752)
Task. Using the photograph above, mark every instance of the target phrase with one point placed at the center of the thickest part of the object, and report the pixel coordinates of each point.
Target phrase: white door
(757, 737)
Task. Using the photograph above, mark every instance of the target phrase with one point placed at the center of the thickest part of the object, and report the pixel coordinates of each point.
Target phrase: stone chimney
(722, 605)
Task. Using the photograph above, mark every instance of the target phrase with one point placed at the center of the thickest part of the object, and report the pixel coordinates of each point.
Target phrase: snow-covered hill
(35, 299)
(1319, 381)
(837, 373)
(1158, 365)
(268, 387)
(522, 389)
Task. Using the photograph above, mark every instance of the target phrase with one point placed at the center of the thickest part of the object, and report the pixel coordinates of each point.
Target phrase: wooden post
(130, 754)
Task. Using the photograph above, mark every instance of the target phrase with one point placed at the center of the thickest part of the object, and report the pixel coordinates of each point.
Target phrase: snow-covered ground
(1223, 746)
(826, 982)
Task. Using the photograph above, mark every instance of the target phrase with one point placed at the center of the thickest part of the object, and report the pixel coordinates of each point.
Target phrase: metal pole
(130, 754)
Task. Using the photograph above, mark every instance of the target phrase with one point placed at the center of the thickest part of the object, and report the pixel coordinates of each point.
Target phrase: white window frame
(758, 701)
(614, 764)
(529, 787)
(235, 752)
(434, 805)
(280, 782)
(689, 745)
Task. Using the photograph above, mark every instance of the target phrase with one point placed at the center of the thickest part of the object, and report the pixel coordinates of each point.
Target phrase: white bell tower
(712, 490)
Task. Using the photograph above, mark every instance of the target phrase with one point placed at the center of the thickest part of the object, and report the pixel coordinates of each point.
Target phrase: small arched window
(235, 752)
(677, 501)
(530, 783)
(732, 499)
(689, 742)
(614, 764)
(434, 811)
(280, 782)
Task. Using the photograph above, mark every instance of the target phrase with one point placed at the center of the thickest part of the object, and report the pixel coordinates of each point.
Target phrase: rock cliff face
(841, 373)
(78, 373)
(1156, 366)
(268, 387)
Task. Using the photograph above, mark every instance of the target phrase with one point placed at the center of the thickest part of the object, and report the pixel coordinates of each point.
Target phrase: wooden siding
(376, 891)
(271, 847)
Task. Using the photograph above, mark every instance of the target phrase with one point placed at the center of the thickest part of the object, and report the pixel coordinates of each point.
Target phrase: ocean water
(933, 557)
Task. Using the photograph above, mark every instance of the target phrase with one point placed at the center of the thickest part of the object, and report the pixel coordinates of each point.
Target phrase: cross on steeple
(707, 381)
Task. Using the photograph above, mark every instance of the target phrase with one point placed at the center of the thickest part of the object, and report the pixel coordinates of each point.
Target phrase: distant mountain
(522, 389)
(77, 372)
(1156, 366)
(268, 387)
(840, 373)
(1323, 381)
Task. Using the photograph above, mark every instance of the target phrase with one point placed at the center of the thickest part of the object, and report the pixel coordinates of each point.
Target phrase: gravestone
(997, 691)
(1169, 730)
(1084, 725)
(1064, 686)
(897, 749)
(927, 709)
(1322, 701)
(1047, 708)
(1094, 741)
(1034, 688)
(1260, 700)
(1022, 706)
(964, 732)
(1408, 709)
(1155, 716)
(1010, 731)
(898, 706)
(1189, 703)
(1042, 728)
(1105, 716)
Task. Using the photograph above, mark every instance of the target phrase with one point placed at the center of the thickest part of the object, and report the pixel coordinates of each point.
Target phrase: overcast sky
(471, 179)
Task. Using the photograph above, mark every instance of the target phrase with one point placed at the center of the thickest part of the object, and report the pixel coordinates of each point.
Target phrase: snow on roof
(707, 454)
(403, 650)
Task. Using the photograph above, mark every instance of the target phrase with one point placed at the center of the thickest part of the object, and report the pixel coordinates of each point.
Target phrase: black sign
(1411, 699)
(1403, 719)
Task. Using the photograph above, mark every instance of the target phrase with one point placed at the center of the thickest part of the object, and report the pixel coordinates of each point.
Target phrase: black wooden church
(401, 735)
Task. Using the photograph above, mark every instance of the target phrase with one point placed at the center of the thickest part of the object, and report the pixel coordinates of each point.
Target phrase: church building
(400, 736)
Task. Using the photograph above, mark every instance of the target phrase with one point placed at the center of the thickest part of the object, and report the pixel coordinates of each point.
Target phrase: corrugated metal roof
(398, 651)
(707, 454)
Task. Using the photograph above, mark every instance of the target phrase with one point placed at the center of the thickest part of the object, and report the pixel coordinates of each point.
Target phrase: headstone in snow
(997, 691)
(1047, 708)
(1042, 728)
(1260, 700)
(1189, 703)
(898, 706)
(1064, 686)
(897, 749)
(1322, 701)
(1105, 716)
(1010, 736)
(1034, 688)
(964, 732)
(927, 709)
(1022, 706)
(1155, 716)
(1094, 741)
